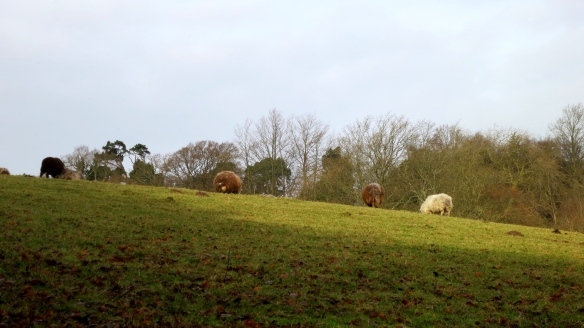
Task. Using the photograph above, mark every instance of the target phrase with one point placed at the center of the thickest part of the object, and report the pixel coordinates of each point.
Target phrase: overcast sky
(166, 73)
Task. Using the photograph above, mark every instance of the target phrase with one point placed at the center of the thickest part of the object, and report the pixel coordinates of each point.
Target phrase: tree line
(500, 175)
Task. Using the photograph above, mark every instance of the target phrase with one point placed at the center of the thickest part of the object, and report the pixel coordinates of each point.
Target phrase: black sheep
(52, 166)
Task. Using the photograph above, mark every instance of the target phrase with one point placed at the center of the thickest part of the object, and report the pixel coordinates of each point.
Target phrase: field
(82, 253)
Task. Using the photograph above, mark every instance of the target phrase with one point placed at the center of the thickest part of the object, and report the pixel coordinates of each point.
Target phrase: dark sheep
(4, 170)
(373, 195)
(227, 182)
(52, 166)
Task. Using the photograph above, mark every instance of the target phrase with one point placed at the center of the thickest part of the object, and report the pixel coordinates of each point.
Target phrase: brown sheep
(373, 195)
(71, 175)
(4, 171)
(52, 166)
(227, 182)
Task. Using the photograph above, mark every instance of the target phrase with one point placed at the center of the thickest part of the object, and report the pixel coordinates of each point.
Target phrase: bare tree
(80, 159)
(195, 165)
(246, 142)
(158, 161)
(447, 137)
(427, 168)
(568, 131)
(269, 139)
(545, 185)
(514, 158)
(307, 137)
(378, 145)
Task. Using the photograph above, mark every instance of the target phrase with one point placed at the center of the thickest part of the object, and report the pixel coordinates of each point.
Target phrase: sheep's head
(223, 188)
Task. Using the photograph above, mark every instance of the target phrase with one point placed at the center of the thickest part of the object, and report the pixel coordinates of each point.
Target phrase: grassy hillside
(90, 253)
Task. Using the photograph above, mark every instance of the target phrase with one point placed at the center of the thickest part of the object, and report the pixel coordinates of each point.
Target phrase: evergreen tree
(336, 184)
(267, 176)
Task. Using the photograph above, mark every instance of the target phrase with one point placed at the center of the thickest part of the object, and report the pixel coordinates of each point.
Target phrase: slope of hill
(90, 253)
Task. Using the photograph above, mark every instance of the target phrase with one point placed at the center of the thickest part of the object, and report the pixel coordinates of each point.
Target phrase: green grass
(90, 253)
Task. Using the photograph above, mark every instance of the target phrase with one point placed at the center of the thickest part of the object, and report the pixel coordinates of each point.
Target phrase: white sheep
(71, 175)
(437, 204)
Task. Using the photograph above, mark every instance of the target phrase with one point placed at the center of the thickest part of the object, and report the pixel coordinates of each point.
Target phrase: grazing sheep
(52, 166)
(4, 171)
(71, 175)
(268, 195)
(227, 182)
(373, 195)
(437, 204)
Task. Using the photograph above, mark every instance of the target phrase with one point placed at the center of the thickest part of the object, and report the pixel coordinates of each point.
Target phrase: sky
(167, 73)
